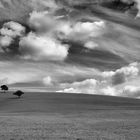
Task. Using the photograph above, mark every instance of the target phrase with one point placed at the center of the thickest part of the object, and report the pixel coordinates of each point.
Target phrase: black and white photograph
(69, 69)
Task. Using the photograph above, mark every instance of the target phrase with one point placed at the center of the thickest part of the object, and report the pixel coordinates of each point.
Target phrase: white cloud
(46, 24)
(42, 48)
(9, 32)
(121, 75)
(5, 41)
(131, 70)
(87, 86)
(107, 74)
(131, 91)
(43, 44)
(131, 88)
(81, 30)
(109, 91)
(69, 90)
(89, 27)
(104, 87)
(42, 22)
(85, 83)
(12, 29)
(90, 45)
(48, 81)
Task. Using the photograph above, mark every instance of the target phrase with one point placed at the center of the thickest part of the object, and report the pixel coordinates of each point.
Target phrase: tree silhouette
(4, 88)
(18, 93)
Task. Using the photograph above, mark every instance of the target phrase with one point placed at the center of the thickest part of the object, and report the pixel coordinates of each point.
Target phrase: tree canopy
(4, 88)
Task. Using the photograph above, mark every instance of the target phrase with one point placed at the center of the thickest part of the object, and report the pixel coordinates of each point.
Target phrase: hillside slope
(62, 103)
(54, 116)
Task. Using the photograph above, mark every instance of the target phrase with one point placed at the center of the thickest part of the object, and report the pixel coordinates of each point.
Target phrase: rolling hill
(57, 102)
(59, 116)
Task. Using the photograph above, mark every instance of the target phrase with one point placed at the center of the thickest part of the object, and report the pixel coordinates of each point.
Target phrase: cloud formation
(47, 81)
(81, 30)
(113, 83)
(42, 22)
(42, 48)
(109, 91)
(125, 91)
(90, 45)
(131, 91)
(12, 29)
(9, 33)
(87, 86)
(121, 75)
(44, 41)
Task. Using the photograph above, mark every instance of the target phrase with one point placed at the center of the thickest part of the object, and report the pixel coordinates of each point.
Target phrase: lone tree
(4, 88)
(18, 93)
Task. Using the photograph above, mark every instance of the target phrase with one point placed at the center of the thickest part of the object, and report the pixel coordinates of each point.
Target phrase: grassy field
(58, 116)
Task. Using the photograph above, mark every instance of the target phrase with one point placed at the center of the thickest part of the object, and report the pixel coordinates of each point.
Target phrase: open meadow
(59, 116)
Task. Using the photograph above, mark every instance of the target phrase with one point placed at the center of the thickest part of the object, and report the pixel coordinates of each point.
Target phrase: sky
(48, 46)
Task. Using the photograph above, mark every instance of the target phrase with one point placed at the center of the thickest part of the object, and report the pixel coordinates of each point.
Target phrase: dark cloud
(118, 78)
(97, 58)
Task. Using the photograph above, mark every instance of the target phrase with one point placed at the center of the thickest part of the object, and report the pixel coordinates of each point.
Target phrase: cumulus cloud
(48, 81)
(42, 48)
(109, 91)
(42, 22)
(87, 86)
(88, 27)
(70, 90)
(12, 29)
(131, 91)
(125, 91)
(111, 83)
(49, 29)
(9, 34)
(43, 43)
(81, 30)
(5, 41)
(121, 75)
(90, 45)
(85, 83)
(131, 70)
(46, 22)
